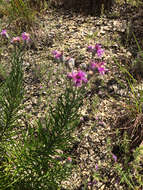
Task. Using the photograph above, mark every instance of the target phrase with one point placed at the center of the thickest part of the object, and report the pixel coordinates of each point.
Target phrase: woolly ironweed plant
(46, 162)
(35, 158)
(11, 94)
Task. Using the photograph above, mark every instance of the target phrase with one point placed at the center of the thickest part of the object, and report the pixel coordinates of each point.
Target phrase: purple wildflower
(78, 77)
(96, 49)
(97, 118)
(99, 50)
(90, 48)
(93, 65)
(15, 39)
(114, 157)
(97, 46)
(96, 166)
(4, 33)
(101, 70)
(70, 75)
(25, 36)
(69, 159)
(54, 52)
(99, 66)
(57, 55)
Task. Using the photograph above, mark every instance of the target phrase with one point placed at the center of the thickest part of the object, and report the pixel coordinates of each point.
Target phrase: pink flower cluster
(69, 159)
(100, 66)
(24, 37)
(15, 39)
(4, 33)
(114, 157)
(78, 77)
(58, 55)
(96, 49)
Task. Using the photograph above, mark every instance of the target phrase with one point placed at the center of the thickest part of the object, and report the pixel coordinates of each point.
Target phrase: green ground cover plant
(35, 158)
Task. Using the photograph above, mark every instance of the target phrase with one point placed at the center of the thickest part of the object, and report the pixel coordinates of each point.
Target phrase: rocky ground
(106, 95)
